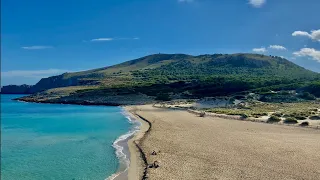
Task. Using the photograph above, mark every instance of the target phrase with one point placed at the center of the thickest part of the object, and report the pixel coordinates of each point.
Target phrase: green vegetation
(315, 117)
(256, 109)
(313, 88)
(163, 97)
(273, 119)
(244, 116)
(194, 76)
(278, 114)
(304, 124)
(290, 120)
(307, 96)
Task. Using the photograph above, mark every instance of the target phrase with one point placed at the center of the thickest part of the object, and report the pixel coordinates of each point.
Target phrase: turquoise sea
(60, 142)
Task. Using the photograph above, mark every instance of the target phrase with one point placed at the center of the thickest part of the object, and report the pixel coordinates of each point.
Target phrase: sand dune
(212, 148)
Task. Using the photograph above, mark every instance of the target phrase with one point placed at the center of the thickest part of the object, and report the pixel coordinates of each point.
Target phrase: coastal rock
(16, 89)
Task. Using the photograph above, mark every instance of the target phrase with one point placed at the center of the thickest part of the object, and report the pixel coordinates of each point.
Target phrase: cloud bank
(314, 34)
(308, 52)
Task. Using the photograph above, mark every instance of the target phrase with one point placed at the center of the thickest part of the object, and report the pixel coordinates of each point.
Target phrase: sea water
(61, 142)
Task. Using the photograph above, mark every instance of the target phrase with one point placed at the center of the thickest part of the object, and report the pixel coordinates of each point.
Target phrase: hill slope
(204, 75)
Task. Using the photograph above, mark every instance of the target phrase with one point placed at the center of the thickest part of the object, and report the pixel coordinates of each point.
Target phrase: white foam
(119, 149)
(22, 101)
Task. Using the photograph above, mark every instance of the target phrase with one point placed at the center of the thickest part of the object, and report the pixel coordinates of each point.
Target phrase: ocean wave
(124, 160)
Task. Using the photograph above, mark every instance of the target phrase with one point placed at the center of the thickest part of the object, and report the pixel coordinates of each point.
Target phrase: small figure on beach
(154, 153)
(155, 164)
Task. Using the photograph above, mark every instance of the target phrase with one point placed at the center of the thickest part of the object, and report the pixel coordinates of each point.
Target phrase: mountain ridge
(243, 71)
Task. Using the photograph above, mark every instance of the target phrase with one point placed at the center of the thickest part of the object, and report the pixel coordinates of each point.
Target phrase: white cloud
(314, 34)
(259, 50)
(135, 38)
(277, 47)
(111, 39)
(102, 39)
(257, 3)
(308, 52)
(33, 74)
(300, 33)
(36, 47)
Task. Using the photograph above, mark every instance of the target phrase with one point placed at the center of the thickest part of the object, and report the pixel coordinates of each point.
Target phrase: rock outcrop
(15, 89)
(42, 85)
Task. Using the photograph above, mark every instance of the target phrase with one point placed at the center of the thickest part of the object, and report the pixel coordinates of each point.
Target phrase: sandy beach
(137, 165)
(191, 147)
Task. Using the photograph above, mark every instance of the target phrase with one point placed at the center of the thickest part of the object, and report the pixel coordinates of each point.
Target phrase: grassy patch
(298, 110)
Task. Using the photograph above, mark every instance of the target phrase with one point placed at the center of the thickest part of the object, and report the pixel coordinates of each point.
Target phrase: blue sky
(43, 38)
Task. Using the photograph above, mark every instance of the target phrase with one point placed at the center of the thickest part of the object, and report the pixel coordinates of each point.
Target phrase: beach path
(192, 147)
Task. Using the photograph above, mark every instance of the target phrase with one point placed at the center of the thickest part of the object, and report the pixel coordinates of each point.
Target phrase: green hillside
(183, 76)
(176, 67)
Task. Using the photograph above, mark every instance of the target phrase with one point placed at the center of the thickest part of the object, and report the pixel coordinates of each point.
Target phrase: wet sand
(192, 147)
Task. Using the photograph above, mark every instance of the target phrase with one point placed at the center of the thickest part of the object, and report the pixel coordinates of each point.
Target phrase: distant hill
(208, 75)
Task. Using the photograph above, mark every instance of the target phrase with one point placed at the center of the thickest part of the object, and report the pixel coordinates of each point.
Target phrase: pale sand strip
(137, 164)
(213, 148)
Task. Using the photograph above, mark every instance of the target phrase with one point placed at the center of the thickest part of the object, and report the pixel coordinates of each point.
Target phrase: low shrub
(307, 96)
(202, 114)
(244, 116)
(304, 123)
(300, 117)
(259, 114)
(286, 115)
(273, 119)
(278, 114)
(234, 113)
(315, 117)
(290, 120)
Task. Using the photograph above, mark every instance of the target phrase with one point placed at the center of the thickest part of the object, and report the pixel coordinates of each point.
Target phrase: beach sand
(192, 147)
(137, 165)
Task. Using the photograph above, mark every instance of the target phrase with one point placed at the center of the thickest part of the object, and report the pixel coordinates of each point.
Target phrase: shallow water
(52, 141)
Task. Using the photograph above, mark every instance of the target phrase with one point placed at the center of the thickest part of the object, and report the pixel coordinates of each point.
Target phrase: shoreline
(121, 146)
(138, 162)
(131, 156)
